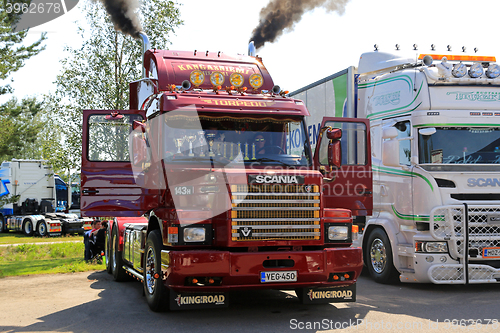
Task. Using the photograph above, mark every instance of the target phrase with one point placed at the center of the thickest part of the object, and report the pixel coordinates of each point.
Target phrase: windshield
(460, 145)
(226, 139)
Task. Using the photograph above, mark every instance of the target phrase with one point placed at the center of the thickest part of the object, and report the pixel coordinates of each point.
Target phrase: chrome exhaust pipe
(251, 49)
(145, 46)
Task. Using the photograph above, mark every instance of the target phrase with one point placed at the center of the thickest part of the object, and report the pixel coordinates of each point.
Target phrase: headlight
(338, 233)
(194, 235)
(431, 247)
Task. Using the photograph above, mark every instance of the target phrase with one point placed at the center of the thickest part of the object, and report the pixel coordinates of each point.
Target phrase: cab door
(109, 185)
(350, 185)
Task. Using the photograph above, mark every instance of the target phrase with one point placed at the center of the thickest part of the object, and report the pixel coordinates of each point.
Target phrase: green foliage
(96, 75)
(13, 53)
(22, 123)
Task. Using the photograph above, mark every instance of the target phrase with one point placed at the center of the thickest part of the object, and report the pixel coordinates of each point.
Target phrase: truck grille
(275, 212)
(448, 223)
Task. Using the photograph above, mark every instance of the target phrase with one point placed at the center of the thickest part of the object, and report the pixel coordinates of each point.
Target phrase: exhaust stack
(251, 49)
(145, 46)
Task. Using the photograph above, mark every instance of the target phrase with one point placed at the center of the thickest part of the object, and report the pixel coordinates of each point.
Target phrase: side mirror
(139, 146)
(390, 153)
(334, 147)
(389, 133)
(335, 154)
(427, 131)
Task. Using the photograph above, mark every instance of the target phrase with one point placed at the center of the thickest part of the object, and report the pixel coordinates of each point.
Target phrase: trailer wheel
(117, 270)
(28, 227)
(154, 289)
(41, 228)
(379, 260)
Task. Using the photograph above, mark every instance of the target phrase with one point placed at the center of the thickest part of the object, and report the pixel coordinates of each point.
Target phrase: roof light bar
(451, 57)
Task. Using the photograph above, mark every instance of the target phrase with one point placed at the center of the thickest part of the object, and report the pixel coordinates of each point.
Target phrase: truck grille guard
(468, 231)
(275, 212)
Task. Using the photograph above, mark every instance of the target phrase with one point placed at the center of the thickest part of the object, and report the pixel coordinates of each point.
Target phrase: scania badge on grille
(276, 179)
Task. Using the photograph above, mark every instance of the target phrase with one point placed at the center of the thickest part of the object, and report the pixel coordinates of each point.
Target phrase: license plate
(183, 190)
(281, 276)
(491, 252)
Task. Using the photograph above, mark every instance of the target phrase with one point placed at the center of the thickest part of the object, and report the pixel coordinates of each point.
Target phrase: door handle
(90, 191)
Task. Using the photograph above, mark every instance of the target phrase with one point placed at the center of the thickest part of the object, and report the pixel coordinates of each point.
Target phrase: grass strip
(28, 259)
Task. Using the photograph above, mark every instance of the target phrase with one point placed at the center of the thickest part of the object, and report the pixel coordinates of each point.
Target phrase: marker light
(459, 70)
(236, 80)
(196, 78)
(256, 81)
(476, 70)
(217, 78)
(493, 71)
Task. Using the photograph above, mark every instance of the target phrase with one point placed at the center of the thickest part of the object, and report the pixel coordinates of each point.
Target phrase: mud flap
(337, 294)
(187, 301)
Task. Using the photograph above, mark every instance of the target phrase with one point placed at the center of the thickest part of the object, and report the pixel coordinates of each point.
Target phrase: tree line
(94, 75)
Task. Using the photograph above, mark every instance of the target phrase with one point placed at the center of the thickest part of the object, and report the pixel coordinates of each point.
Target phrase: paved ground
(92, 302)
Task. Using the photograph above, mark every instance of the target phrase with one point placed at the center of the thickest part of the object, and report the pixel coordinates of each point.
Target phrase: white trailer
(28, 190)
(435, 137)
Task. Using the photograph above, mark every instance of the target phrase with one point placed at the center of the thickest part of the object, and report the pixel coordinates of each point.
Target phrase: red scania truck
(213, 187)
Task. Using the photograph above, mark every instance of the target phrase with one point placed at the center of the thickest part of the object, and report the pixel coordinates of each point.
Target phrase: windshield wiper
(266, 159)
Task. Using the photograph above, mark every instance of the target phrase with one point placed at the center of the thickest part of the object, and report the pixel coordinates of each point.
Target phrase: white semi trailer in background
(435, 138)
(28, 190)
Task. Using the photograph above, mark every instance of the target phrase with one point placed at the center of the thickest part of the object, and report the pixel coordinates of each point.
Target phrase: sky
(321, 43)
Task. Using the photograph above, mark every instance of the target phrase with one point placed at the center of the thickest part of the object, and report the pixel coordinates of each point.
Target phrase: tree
(96, 75)
(13, 53)
(21, 126)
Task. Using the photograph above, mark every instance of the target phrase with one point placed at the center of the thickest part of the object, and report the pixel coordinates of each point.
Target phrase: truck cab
(211, 186)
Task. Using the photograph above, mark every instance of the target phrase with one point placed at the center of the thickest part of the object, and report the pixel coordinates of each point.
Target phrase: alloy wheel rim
(378, 255)
(149, 269)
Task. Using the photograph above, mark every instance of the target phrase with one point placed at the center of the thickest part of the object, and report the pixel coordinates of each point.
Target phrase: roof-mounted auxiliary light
(197, 78)
(459, 70)
(476, 70)
(493, 71)
(256, 81)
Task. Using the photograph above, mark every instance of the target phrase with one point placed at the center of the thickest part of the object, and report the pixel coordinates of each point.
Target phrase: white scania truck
(435, 138)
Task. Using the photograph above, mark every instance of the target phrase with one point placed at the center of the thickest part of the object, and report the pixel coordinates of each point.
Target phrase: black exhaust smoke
(124, 16)
(281, 14)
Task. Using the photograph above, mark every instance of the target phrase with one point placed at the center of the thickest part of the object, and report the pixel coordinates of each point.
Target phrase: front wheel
(154, 289)
(108, 252)
(379, 261)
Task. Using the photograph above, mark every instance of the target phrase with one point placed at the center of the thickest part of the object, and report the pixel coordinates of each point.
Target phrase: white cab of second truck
(29, 199)
(435, 136)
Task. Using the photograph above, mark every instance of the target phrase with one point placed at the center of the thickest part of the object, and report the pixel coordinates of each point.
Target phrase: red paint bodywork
(109, 188)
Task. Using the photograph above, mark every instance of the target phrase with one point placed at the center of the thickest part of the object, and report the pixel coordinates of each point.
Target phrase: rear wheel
(28, 227)
(154, 289)
(379, 261)
(108, 252)
(42, 228)
(116, 263)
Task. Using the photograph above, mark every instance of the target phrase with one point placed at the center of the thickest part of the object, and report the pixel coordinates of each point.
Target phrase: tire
(117, 270)
(379, 261)
(2, 224)
(108, 252)
(154, 289)
(41, 229)
(28, 227)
